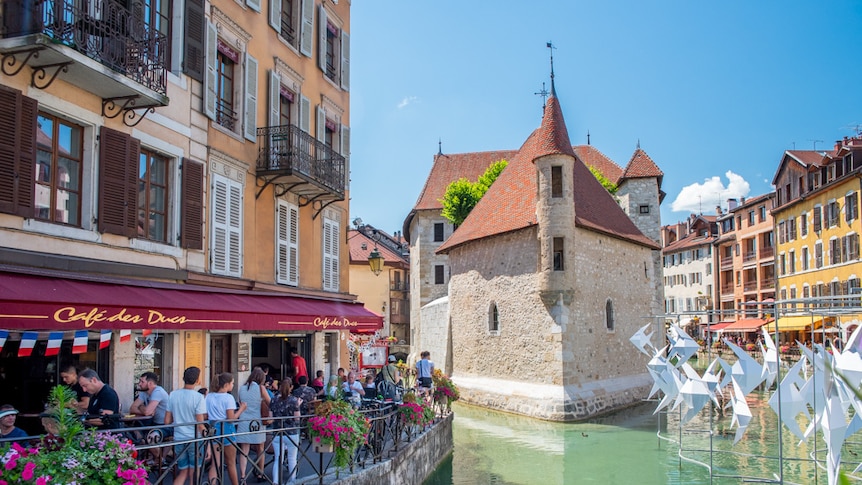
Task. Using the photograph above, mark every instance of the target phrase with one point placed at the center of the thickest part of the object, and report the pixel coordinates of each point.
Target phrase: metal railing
(103, 30)
(207, 450)
(289, 149)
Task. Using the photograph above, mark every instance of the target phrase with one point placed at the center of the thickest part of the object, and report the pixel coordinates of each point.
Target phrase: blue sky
(714, 91)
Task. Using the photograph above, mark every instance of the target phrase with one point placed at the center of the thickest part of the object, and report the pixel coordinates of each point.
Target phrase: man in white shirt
(186, 405)
(353, 389)
(152, 398)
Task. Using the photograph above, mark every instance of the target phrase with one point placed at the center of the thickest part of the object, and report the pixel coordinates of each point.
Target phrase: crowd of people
(236, 416)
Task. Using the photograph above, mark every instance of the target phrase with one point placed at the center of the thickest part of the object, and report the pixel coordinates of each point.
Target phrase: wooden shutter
(305, 114)
(235, 230)
(195, 29)
(226, 244)
(330, 255)
(211, 80)
(118, 182)
(275, 15)
(253, 4)
(321, 38)
(274, 98)
(192, 206)
(321, 123)
(344, 141)
(17, 152)
(287, 271)
(345, 61)
(250, 98)
(306, 34)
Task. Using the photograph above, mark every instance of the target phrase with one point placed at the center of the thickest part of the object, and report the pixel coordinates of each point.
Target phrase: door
(220, 355)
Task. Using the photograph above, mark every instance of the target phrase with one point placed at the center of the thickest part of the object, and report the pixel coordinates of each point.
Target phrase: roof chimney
(731, 204)
(718, 210)
(742, 201)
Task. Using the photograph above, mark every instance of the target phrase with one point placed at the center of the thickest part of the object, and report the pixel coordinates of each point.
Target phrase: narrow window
(556, 181)
(438, 274)
(438, 231)
(331, 36)
(851, 208)
(609, 314)
(286, 100)
(559, 264)
(153, 196)
(494, 320)
(58, 170)
(225, 112)
(288, 22)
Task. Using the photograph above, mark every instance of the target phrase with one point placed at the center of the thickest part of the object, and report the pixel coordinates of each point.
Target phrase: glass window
(225, 112)
(494, 319)
(438, 231)
(559, 264)
(153, 196)
(438, 274)
(556, 181)
(609, 313)
(59, 164)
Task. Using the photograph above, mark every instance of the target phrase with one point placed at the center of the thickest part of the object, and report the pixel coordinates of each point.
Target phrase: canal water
(623, 448)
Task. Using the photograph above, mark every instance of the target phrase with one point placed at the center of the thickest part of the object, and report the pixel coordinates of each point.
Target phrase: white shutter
(307, 28)
(211, 76)
(344, 141)
(250, 98)
(218, 251)
(321, 123)
(253, 4)
(274, 98)
(235, 230)
(287, 247)
(345, 61)
(275, 15)
(321, 38)
(305, 114)
(330, 255)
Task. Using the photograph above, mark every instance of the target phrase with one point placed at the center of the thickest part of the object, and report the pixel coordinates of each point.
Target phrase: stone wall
(413, 463)
(422, 262)
(434, 335)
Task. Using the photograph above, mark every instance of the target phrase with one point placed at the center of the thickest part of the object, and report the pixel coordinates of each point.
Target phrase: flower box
(321, 447)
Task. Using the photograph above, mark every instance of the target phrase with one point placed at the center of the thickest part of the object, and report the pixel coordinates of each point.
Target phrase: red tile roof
(688, 242)
(449, 168)
(594, 158)
(807, 157)
(642, 166)
(510, 203)
(358, 254)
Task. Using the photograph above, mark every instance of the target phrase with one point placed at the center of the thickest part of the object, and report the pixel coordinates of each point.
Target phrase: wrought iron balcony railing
(287, 155)
(103, 30)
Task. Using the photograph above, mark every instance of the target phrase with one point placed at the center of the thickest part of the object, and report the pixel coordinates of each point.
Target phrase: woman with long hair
(253, 394)
(286, 406)
(221, 407)
(332, 388)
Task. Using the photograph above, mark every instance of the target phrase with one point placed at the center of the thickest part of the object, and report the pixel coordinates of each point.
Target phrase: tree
(462, 195)
(607, 184)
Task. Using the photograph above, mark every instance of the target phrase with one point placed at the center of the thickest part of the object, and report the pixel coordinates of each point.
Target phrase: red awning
(746, 325)
(715, 327)
(35, 302)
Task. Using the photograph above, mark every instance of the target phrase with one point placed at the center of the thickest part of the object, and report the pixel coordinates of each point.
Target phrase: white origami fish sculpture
(834, 426)
(641, 340)
(682, 347)
(792, 403)
(741, 412)
(747, 371)
(770, 358)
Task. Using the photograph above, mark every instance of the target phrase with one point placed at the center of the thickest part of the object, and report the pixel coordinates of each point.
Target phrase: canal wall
(414, 462)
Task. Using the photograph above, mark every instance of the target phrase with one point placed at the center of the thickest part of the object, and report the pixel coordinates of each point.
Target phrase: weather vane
(544, 94)
(550, 46)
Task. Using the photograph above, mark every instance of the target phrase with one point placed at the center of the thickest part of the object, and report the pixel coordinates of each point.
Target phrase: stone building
(548, 279)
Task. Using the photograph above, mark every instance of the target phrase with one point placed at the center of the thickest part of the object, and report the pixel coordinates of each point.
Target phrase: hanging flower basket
(320, 446)
(340, 427)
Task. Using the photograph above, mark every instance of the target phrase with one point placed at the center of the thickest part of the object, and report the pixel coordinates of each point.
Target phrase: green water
(498, 448)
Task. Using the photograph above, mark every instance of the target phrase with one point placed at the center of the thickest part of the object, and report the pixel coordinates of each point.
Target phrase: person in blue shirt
(8, 430)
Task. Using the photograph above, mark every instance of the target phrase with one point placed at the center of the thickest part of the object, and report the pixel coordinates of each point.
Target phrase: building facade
(179, 173)
(687, 265)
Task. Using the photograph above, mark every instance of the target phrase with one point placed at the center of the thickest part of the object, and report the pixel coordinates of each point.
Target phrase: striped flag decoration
(104, 339)
(146, 332)
(55, 339)
(125, 336)
(3, 335)
(80, 344)
(28, 341)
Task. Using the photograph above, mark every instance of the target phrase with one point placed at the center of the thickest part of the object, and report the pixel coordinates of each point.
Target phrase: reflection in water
(505, 449)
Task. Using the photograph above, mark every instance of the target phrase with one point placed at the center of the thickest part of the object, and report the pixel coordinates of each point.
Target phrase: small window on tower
(438, 231)
(556, 181)
(643, 209)
(558, 254)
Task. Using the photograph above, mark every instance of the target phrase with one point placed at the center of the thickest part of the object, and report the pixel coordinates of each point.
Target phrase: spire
(552, 137)
(439, 146)
(639, 144)
(550, 46)
(588, 137)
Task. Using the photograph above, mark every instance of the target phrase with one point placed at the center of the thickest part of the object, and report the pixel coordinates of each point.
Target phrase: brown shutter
(193, 61)
(118, 182)
(17, 152)
(191, 232)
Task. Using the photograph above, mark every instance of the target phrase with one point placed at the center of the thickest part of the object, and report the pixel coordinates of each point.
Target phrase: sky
(714, 92)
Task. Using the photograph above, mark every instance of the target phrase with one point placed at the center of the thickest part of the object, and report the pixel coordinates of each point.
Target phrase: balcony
(399, 286)
(99, 46)
(727, 262)
(726, 289)
(750, 286)
(767, 284)
(749, 256)
(296, 162)
(767, 252)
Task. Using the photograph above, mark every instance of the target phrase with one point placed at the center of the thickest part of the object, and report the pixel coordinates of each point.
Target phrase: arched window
(493, 320)
(609, 315)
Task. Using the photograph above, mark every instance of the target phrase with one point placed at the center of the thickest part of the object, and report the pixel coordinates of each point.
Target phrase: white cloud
(408, 100)
(705, 197)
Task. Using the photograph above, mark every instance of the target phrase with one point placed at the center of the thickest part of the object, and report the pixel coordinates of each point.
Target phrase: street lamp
(375, 260)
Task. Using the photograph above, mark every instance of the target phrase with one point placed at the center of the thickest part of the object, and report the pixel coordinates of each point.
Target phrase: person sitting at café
(352, 389)
(69, 374)
(8, 430)
(307, 394)
(152, 400)
(332, 387)
(103, 411)
(368, 386)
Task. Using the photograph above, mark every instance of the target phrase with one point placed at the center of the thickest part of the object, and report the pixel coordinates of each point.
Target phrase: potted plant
(70, 454)
(338, 428)
(415, 415)
(445, 391)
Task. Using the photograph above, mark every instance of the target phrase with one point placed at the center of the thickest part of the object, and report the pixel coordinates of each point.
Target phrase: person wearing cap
(390, 371)
(8, 430)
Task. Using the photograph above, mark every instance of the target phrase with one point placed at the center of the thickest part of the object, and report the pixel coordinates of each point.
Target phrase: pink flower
(43, 480)
(27, 474)
(12, 463)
